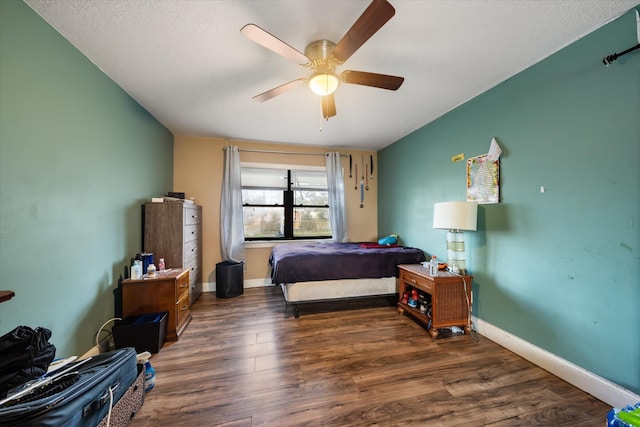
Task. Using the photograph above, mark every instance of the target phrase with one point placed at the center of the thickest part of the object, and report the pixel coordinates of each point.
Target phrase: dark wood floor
(245, 361)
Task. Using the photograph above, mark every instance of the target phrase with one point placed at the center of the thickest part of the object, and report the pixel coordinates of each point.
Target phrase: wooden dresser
(173, 231)
(167, 291)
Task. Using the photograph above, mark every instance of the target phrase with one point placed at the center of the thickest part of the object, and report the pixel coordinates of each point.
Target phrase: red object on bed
(375, 245)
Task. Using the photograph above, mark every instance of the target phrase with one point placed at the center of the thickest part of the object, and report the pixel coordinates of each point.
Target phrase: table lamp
(455, 217)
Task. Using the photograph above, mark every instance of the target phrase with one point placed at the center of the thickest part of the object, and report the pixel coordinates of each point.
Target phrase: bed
(314, 272)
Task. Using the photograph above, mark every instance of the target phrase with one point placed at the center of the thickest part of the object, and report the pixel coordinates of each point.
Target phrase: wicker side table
(450, 296)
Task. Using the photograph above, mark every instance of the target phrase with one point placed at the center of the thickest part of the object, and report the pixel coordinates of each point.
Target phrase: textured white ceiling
(186, 62)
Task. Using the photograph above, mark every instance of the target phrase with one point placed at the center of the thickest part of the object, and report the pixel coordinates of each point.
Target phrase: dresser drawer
(182, 310)
(191, 251)
(191, 232)
(194, 275)
(191, 215)
(416, 280)
(182, 286)
(193, 266)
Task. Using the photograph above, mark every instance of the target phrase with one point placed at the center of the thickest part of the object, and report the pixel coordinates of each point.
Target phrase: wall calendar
(483, 179)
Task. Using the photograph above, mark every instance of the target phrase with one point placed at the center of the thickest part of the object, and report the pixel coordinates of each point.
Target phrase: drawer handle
(184, 307)
(413, 281)
(184, 285)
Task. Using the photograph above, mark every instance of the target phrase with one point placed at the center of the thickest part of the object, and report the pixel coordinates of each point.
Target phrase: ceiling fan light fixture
(323, 57)
(324, 83)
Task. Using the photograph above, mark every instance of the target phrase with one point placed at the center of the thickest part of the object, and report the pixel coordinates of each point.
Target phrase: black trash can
(229, 279)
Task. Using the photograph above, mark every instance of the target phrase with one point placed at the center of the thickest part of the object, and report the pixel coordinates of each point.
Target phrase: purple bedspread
(304, 262)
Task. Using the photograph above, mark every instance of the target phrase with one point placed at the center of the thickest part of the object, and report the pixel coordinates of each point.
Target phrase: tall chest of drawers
(173, 231)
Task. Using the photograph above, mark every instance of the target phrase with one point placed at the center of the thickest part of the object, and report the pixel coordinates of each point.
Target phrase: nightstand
(449, 295)
(166, 291)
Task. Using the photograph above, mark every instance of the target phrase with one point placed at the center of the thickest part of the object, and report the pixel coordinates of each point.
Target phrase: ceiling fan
(322, 57)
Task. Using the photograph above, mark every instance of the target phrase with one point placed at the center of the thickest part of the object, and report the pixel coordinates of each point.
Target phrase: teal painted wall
(77, 158)
(559, 269)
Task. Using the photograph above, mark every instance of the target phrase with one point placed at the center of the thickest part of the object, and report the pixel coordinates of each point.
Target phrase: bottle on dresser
(433, 266)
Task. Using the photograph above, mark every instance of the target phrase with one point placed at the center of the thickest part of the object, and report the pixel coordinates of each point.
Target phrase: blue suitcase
(79, 395)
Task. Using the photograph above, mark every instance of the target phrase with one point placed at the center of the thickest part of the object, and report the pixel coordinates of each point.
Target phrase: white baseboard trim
(599, 387)
(251, 283)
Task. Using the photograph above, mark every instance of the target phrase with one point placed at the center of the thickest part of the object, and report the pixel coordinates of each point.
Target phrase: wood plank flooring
(246, 361)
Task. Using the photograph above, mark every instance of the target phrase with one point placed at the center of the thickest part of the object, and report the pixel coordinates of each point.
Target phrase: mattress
(338, 289)
(311, 262)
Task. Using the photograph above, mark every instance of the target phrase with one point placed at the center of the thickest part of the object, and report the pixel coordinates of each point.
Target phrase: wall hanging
(483, 176)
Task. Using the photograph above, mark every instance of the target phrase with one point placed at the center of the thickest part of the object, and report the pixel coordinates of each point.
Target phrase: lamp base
(455, 252)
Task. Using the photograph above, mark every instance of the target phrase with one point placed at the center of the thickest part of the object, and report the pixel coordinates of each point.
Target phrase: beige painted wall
(197, 170)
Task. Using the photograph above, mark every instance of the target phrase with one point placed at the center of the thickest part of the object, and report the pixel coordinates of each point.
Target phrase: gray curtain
(231, 222)
(337, 208)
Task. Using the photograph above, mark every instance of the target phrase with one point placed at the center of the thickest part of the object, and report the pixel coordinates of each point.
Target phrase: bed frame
(320, 272)
(332, 290)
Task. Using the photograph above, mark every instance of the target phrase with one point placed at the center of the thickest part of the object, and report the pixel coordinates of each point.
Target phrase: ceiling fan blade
(272, 93)
(371, 20)
(382, 81)
(328, 106)
(271, 42)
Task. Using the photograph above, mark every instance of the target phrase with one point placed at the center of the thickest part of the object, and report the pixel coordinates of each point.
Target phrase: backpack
(25, 354)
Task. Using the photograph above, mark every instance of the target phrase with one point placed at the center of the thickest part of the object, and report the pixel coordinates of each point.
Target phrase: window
(285, 203)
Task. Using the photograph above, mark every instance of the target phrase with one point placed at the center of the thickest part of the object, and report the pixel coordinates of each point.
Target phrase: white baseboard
(599, 387)
(251, 283)
(208, 286)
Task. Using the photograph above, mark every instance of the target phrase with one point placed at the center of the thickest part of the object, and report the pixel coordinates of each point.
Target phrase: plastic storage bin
(145, 332)
(229, 279)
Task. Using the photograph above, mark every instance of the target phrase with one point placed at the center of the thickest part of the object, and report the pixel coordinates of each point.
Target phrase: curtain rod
(286, 152)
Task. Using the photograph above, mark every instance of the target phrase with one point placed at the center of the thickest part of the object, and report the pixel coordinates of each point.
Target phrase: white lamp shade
(455, 215)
